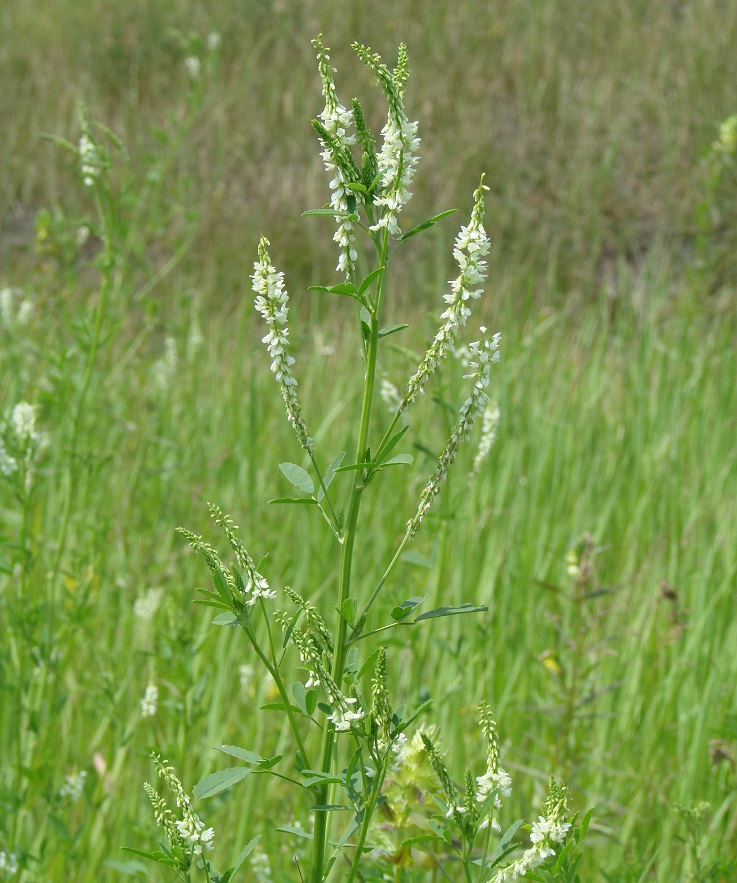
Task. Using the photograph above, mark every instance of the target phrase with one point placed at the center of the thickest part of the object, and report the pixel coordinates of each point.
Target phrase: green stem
(274, 672)
(368, 813)
(349, 537)
(107, 215)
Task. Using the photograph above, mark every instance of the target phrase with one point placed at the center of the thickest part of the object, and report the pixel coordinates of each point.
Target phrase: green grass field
(613, 280)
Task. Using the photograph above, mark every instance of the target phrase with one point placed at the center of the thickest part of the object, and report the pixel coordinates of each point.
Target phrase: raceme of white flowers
(89, 160)
(548, 834)
(489, 426)
(484, 353)
(146, 605)
(189, 830)
(256, 585)
(337, 121)
(10, 317)
(150, 701)
(8, 863)
(73, 786)
(471, 245)
(397, 159)
(271, 302)
(21, 443)
(164, 369)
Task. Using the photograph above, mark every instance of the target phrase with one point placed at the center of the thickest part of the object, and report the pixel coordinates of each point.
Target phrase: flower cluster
(21, 443)
(397, 160)
(9, 316)
(90, 162)
(336, 156)
(489, 426)
(73, 786)
(255, 585)
(188, 832)
(150, 701)
(548, 834)
(471, 245)
(271, 302)
(315, 647)
(146, 605)
(8, 863)
(496, 780)
(484, 353)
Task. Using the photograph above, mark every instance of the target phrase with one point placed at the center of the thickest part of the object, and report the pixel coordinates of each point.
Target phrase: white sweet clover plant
(364, 749)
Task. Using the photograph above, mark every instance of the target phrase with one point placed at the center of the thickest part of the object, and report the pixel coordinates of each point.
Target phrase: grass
(616, 390)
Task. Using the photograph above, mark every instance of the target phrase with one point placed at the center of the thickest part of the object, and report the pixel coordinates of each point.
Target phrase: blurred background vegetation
(613, 278)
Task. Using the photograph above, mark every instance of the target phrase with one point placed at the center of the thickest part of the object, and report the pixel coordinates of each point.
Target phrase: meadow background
(613, 280)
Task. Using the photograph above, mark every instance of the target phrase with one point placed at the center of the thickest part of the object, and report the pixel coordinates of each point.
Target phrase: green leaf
(219, 781)
(159, 857)
(359, 188)
(278, 706)
(418, 560)
(349, 610)
(424, 226)
(221, 584)
(406, 607)
(330, 807)
(412, 718)
(127, 869)
(400, 460)
(297, 476)
(297, 832)
(244, 853)
(330, 213)
(225, 619)
(369, 663)
(374, 274)
(391, 329)
(300, 696)
(382, 453)
(451, 611)
(330, 474)
(311, 702)
(346, 288)
(241, 753)
(295, 501)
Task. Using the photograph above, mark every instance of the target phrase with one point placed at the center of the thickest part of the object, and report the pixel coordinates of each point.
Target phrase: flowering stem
(368, 812)
(274, 672)
(349, 536)
(107, 216)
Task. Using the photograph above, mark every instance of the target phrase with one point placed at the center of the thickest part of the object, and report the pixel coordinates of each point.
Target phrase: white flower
(261, 867)
(164, 369)
(194, 66)
(271, 302)
(8, 464)
(8, 863)
(213, 41)
(150, 701)
(89, 160)
(484, 353)
(337, 121)
(192, 830)
(397, 159)
(73, 786)
(146, 605)
(23, 424)
(489, 425)
(471, 245)
(343, 716)
(390, 395)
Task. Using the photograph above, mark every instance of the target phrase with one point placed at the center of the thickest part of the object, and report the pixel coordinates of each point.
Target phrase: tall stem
(346, 561)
